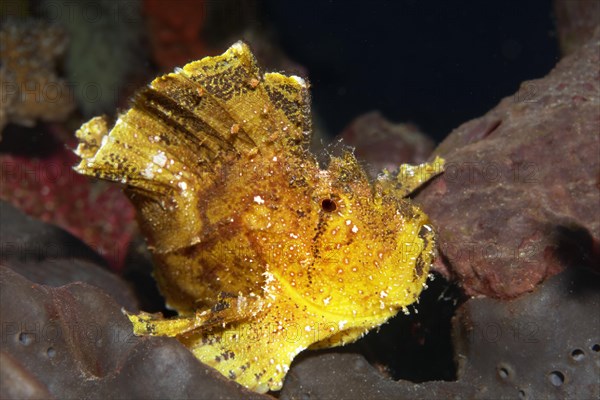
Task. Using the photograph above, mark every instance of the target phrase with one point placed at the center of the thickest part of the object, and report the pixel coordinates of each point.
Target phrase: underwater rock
(26, 239)
(518, 201)
(56, 273)
(48, 255)
(543, 345)
(575, 22)
(383, 144)
(74, 342)
(339, 375)
(17, 383)
(47, 188)
(30, 51)
(505, 350)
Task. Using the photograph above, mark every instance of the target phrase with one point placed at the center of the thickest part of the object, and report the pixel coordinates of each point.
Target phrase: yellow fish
(260, 251)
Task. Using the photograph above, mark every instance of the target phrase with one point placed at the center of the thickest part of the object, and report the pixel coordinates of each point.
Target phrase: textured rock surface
(26, 239)
(48, 255)
(519, 199)
(545, 344)
(383, 144)
(576, 22)
(74, 342)
(505, 349)
(45, 186)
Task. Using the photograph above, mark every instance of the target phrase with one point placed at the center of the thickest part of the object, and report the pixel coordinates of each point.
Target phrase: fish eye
(328, 205)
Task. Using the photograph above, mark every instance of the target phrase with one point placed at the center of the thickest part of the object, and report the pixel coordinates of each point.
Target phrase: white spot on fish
(160, 159)
(148, 172)
(259, 200)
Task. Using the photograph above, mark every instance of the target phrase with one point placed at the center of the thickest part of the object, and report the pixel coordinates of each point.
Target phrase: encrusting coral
(31, 89)
(113, 29)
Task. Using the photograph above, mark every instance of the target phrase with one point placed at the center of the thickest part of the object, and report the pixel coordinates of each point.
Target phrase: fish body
(260, 251)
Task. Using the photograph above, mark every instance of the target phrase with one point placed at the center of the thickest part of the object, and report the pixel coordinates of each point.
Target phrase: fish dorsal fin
(271, 108)
(169, 148)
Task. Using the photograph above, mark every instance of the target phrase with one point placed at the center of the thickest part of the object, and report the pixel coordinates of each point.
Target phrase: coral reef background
(30, 51)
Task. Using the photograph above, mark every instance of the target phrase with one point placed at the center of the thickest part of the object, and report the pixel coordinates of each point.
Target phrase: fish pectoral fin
(145, 324)
(226, 310)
